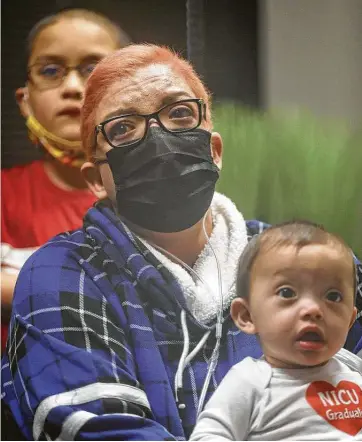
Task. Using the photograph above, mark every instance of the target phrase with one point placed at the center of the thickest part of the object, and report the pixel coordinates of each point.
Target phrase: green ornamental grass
(280, 166)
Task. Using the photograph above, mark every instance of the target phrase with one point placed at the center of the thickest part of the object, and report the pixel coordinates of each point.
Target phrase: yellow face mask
(38, 133)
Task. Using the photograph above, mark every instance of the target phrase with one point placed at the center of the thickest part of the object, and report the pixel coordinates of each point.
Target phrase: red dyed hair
(124, 63)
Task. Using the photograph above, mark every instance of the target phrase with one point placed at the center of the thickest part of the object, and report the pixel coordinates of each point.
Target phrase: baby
(296, 287)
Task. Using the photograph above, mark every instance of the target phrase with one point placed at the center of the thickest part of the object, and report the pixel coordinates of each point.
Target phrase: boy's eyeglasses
(131, 129)
(51, 75)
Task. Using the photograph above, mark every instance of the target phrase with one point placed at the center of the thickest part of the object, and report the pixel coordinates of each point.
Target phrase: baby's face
(301, 303)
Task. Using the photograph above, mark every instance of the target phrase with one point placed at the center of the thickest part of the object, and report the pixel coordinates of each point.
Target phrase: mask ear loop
(34, 125)
(33, 138)
(39, 136)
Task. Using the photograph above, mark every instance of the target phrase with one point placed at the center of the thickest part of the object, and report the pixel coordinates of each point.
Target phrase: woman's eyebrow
(169, 99)
(174, 96)
(120, 111)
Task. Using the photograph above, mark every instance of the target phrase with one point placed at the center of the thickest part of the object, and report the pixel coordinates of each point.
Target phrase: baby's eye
(286, 293)
(334, 296)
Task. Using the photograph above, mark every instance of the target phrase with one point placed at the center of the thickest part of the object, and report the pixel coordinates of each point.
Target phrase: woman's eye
(286, 293)
(334, 296)
(119, 130)
(180, 112)
(50, 70)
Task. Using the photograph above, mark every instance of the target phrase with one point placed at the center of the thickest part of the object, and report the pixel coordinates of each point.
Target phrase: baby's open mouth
(310, 340)
(311, 336)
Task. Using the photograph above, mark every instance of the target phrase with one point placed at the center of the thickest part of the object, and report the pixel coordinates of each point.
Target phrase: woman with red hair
(121, 330)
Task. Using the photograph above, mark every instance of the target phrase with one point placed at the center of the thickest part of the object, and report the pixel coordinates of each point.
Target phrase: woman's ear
(240, 314)
(93, 178)
(216, 148)
(22, 98)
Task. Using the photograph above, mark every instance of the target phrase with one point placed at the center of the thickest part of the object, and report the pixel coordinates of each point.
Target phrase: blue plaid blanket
(95, 340)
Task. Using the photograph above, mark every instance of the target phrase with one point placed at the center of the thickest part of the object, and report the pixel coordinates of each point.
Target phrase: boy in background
(49, 196)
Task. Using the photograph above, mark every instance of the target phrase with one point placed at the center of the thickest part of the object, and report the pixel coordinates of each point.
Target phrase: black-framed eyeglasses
(50, 75)
(131, 129)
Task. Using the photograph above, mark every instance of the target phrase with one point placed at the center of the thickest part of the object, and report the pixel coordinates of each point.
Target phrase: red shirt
(34, 209)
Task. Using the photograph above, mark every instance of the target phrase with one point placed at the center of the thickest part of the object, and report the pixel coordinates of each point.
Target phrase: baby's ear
(240, 314)
(353, 317)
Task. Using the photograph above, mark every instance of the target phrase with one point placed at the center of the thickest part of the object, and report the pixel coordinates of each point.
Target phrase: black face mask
(166, 183)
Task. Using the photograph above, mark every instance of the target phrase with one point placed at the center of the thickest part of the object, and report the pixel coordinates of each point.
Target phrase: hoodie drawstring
(185, 350)
(187, 358)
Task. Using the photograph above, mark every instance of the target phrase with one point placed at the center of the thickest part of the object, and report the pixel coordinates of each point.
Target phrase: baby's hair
(120, 37)
(297, 233)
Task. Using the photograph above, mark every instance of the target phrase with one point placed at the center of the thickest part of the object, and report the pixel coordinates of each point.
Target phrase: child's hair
(297, 233)
(120, 37)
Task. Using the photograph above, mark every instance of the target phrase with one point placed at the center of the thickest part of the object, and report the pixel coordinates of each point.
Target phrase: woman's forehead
(143, 91)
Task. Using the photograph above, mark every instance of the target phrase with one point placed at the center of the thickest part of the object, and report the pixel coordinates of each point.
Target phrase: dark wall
(230, 57)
